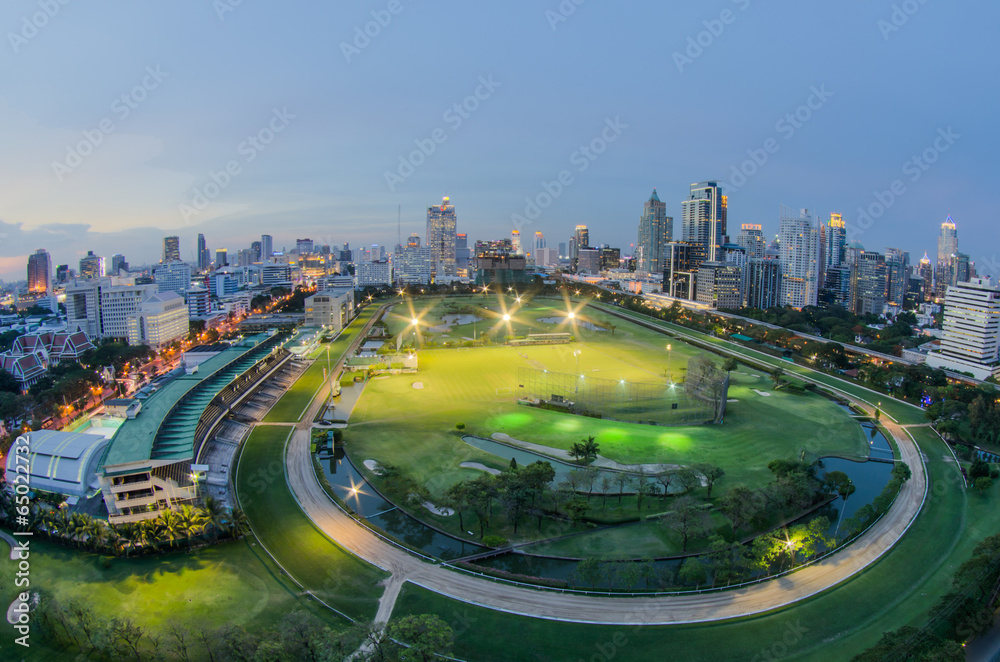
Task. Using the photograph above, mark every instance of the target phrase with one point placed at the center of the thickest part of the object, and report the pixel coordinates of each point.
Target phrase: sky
(123, 122)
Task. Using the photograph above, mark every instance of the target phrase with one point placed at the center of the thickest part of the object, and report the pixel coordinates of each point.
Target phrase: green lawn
(295, 401)
(396, 423)
(330, 573)
(898, 590)
(233, 582)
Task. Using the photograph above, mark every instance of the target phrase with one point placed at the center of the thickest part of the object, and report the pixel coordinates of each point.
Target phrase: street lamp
(669, 351)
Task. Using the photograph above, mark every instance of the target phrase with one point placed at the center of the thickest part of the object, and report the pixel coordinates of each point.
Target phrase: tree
(607, 482)
(710, 474)
(687, 518)
(776, 376)
(740, 504)
(622, 481)
(576, 509)
(693, 572)
(588, 571)
(983, 483)
(579, 452)
(8, 383)
(666, 479)
(427, 635)
(591, 448)
(212, 514)
(641, 482)
(457, 497)
(730, 364)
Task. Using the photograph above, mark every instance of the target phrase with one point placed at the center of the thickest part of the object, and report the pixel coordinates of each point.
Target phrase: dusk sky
(115, 115)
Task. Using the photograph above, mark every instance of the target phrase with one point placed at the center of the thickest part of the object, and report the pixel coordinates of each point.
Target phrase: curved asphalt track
(663, 610)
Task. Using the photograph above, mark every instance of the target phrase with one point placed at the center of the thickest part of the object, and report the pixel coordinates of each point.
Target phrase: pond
(348, 484)
(525, 457)
(569, 324)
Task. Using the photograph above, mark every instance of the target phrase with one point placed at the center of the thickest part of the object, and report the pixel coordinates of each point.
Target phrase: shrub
(495, 541)
(459, 426)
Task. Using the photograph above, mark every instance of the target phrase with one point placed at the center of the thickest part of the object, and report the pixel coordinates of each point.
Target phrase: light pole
(669, 374)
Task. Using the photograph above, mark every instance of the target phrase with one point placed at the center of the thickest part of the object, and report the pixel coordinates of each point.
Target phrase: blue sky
(201, 78)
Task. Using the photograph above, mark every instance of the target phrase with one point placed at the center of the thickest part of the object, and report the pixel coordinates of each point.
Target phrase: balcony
(136, 502)
(146, 484)
(134, 517)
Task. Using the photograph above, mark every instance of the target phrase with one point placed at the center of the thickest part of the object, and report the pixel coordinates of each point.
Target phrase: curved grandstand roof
(165, 428)
(63, 462)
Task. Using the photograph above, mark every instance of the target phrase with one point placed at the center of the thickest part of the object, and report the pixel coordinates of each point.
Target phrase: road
(570, 607)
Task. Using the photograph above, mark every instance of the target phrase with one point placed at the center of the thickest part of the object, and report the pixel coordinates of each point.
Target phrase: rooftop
(165, 428)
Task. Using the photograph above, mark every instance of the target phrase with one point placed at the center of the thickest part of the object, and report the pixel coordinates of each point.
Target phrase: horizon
(235, 120)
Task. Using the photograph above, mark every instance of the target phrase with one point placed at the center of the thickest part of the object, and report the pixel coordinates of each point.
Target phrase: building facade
(971, 339)
(441, 230)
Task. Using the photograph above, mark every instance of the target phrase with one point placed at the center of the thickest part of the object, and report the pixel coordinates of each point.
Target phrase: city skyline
(828, 136)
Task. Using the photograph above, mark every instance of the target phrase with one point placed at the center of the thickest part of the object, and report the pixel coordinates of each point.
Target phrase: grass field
(331, 574)
(393, 422)
(898, 590)
(233, 582)
(294, 402)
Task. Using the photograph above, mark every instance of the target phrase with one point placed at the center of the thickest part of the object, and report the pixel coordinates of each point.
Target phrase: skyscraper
(304, 246)
(118, 264)
(171, 249)
(39, 272)
(582, 236)
(539, 243)
(204, 257)
(266, 247)
(515, 241)
(799, 255)
(221, 257)
(441, 226)
(752, 239)
(704, 220)
(255, 254)
(462, 252)
(872, 283)
(656, 230)
(91, 266)
(971, 339)
(897, 265)
(946, 249)
(926, 271)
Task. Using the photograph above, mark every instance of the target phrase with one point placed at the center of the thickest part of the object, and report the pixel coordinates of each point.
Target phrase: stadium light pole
(669, 352)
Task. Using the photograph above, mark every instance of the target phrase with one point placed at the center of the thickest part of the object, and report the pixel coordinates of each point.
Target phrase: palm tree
(170, 527)
(149, 532)
(62, 522)
(95, 533)
(213, 515)
(238, 524)
(776, 376)
(591, 448)
(78, 528)
(128, 534)
(189, 524)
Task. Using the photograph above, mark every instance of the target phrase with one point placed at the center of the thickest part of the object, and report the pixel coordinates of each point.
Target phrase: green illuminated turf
(334, 576)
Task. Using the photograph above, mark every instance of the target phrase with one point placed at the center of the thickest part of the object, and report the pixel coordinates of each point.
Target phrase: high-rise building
(539, 243)
(63, 273)
(173, 276)
(720, 285)
(377, 273)
(91, 266)
(962, 268)
(304, 246)
(947, 246)
(563, 252)
(515, 241)
(703, 218)
(763, 283)
(159, 320)
(588, 261)
(611, 258)
(171, 249)
(926, 271)
(656, 230)
(752, 239)
(582, 236)
(679, 273)
(414, 264)
(441, 237)
(971, 339)
(266, 247)
(204, 257)
(118, 265)
(872, 283)
(836, 280)
(101, 307)
(221, 257)
(897, 266)
(39, 272)
(255, 252)
(799, 254)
